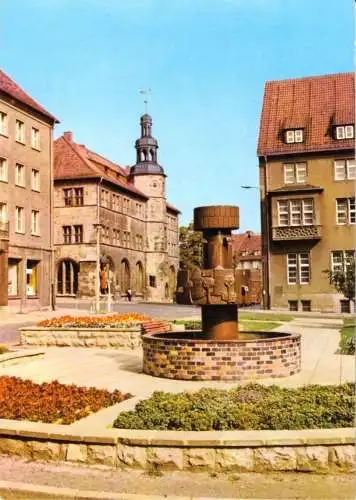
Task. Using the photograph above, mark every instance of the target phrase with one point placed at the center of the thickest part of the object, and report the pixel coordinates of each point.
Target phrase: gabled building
(307, 179)
(26, 199)
(118, 216)
(247, 259)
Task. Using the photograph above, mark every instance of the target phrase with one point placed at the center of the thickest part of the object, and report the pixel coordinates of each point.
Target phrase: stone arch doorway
(172, 278)
(125, 275)
(139, 278)
(67, 277)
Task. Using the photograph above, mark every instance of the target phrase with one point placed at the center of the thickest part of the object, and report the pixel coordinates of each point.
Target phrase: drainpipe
(53, 255)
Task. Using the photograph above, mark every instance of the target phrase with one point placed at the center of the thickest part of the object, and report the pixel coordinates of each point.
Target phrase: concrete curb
(37, 492)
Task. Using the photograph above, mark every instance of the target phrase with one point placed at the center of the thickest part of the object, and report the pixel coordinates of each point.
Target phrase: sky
(205, 62)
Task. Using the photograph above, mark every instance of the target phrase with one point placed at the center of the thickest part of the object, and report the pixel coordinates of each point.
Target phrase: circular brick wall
(190, 356)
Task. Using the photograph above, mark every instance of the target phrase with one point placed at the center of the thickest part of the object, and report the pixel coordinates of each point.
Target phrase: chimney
(68, 135)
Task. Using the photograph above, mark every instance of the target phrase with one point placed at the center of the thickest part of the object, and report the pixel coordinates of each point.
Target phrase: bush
(110, 321)
(247, 407)
(347, 339)
(3, 349)
(190, 324)
(52, 402)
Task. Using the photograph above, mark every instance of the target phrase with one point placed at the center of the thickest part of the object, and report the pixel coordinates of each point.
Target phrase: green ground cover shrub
(248, 407)
(3, 349)
(348, 337)
(253, 316)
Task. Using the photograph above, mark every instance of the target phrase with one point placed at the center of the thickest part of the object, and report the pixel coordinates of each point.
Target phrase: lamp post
(265, 234)
(97, 274)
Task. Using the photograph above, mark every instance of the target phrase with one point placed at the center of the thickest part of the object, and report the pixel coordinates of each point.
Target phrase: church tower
(149, 177)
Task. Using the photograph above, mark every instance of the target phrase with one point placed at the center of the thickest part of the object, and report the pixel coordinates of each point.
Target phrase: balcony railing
(4, 230)
(285, 233)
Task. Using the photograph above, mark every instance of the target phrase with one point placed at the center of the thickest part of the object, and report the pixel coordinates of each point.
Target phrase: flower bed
(105, 321)
(249, 407)
(52, 402)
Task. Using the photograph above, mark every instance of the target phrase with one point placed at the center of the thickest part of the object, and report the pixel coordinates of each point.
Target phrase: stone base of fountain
(192, 356)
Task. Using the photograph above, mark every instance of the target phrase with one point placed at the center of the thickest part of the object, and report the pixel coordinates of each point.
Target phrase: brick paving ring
(219, 351)
(193, 356)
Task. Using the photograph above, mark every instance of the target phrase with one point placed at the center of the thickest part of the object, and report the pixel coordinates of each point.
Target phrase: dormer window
(294, 135)
(344, 132)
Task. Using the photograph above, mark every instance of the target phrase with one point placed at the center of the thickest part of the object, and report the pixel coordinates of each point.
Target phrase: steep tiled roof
(9, 87)
(248, 243)
(315, 104)
(75, 161)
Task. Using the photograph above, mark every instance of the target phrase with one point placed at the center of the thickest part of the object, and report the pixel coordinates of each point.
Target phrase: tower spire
(145, 93)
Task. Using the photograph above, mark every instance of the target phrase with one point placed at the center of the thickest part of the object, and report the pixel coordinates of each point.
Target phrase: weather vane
(145, 93)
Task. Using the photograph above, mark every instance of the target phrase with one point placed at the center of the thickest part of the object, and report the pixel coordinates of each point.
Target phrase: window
(293, 305)
(294, 135)
(78, 234)
(3, 170)
(344, 170)
(341, 259)
(73, 197)
(152, 281)
(32, 277)
(344, 132)
(35, 222)
(345, 211)
(78, 196)
(298, 270)
(20, 131)
(19, 175)
(306, 305)
(67, 235)
(3, 213)
(13, 277)
(296, 212)
(35, 138)
(35, 180)
(295, 173)
(345, 306)
(20, 222)
(3, 123)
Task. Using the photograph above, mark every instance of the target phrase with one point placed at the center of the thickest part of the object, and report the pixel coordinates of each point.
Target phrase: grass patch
(257, 326)
(251, 316)
(52, 402)
(348, 337)
(249, 407)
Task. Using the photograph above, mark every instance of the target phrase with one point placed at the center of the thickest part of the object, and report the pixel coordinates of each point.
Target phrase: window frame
(20, 180)
(342, 263)
(346, 131)
(19, 220)
(35, 222)
(67, 235)
(4, 214)
(294, 136)
(78, 233)
(4, 124)
(4, 167)
(35, 138)
(300, 204)
(35, 180)
(295, 263)
(20, 133)
(349, 211)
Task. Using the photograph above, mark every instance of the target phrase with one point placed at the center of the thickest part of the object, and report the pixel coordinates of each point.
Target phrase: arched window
(139, 278)
(125, 275)
(67, 277)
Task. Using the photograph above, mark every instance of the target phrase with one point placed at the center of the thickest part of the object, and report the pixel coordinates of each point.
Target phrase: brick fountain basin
(192, 356)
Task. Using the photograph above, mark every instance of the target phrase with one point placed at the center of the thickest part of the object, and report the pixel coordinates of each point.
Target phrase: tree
(344, 280)
(190, 247)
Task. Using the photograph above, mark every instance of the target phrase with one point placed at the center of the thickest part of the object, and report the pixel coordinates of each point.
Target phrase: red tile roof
(248, 243)
(75, 161)
(315, 104)
(9, 87)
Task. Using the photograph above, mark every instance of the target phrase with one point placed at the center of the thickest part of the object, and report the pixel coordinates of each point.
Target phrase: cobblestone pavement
(200, 484)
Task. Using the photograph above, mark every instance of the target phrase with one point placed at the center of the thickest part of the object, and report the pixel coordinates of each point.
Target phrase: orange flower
(112, 320)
